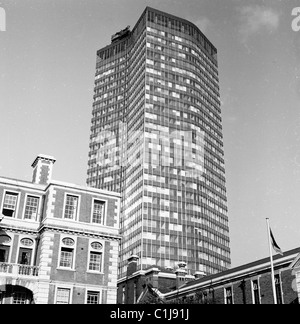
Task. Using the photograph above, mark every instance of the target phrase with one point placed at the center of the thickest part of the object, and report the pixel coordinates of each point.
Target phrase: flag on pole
(274, 244)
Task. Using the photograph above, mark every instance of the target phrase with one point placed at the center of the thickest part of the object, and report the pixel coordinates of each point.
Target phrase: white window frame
(63, 286)
(97, 251)
(123, 294)
(11, 235)
(252, 290)
(232, 295)
(104, 211)
(38, 209)
(78, 206)
(74, 247)
(93, 289)
(26, 300)
(280, 283)
(16, 212)
(32, 248)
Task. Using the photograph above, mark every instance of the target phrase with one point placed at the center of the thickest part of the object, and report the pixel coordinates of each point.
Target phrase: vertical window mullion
(10, 204)
(98, 212)
(71, 206)
(93, 297)
(63, 296)
(31, 208)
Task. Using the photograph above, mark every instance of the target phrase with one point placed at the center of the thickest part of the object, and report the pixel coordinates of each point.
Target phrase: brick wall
(45, 174)
(19, 212)
(266, 290)
(166, 284)
(242, 292)
(50, 227)
(289, 294)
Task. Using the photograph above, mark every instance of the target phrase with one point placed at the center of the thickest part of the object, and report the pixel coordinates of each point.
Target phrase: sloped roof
(277, 258)
(150, 295)
(296, 262)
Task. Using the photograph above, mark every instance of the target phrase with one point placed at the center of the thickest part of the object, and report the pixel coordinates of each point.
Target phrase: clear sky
(47, 66)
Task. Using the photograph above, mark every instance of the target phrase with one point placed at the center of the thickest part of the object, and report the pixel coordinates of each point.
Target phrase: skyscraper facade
(156, 138)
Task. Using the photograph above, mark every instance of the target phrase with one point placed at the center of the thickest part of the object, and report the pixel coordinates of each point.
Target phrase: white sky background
(47, 66)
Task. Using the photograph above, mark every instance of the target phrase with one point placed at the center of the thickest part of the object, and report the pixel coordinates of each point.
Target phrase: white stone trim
(42, 295)
(50, 203)
(84, 189)
(111, 296)
(118, 213)
(21, 184)
(89, 228)
(45, 263)
(19, 224)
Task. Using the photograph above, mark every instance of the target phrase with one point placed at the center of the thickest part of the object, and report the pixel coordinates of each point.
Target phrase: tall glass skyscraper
(156, 137)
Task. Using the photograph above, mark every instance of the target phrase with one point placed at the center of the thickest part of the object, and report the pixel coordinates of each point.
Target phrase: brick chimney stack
(180, 274)
(154, 272)
(132, 264)
(199, 274)
(42, 169)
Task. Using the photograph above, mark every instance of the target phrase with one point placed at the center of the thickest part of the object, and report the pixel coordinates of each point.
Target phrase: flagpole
(271, 259)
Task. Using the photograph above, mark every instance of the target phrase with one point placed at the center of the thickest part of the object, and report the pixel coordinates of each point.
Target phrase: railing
(19, 269)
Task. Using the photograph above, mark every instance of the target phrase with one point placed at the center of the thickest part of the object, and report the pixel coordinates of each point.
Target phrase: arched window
(67, 253)
(4, 249)
(4, 238)
(96, 257)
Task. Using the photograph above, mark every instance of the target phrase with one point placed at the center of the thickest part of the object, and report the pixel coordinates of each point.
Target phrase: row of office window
(33, 207)
(183, 27)
(197, 51)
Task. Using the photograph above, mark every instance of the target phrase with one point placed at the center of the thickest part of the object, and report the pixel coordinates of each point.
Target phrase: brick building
(58, 241)
(141, 285)
(246, 284)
